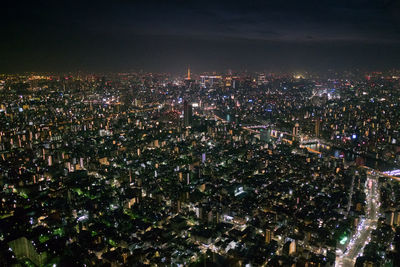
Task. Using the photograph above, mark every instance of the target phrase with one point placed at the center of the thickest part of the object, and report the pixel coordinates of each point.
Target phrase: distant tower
(187, 114)
(188, 74)
(188, 80)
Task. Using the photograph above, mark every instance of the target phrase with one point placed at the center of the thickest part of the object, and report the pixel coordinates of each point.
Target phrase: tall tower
(188, 80)
(187, 114)
(188, 74)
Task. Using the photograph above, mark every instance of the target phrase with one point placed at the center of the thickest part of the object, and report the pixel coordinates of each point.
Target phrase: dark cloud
(167, 35)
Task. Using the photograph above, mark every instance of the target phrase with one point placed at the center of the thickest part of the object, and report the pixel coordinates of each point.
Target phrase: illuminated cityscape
(141, 167)
(200, 134)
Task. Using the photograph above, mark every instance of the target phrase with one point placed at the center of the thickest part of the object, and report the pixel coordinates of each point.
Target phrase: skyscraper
(296, 130)
(268, 236)
(317, 127)
(187, 114)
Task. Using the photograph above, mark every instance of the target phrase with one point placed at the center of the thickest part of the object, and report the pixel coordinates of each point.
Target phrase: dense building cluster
(244, 169)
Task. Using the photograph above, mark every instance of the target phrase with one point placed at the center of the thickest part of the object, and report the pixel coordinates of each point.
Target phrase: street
(362, 235)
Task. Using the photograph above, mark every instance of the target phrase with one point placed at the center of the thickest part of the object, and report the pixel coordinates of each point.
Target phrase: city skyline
(225, 169)
(200, 133)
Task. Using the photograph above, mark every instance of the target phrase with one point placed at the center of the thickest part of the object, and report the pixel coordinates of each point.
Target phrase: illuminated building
(208, 81)
(296, 129)
(187, 114)
(317, 127)
(268, 236)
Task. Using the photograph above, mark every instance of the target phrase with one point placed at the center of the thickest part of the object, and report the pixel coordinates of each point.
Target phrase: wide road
(363, 233)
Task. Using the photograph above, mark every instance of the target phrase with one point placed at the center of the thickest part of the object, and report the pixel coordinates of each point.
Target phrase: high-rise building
(317, 127)
(292, 247)
(268, 236)
(23, 249)
(261, 79)
(187, 114)
(296, 130)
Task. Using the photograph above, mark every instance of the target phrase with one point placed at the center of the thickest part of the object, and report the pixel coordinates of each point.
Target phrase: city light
(199, 133)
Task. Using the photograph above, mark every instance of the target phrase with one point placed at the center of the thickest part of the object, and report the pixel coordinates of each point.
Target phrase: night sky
(207, 35)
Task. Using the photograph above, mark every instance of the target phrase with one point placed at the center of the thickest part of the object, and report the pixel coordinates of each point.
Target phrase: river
(377, 164)
(348, 156)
